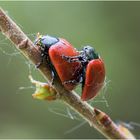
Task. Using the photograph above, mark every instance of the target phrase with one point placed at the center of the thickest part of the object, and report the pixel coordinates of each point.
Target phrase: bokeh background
(113, 28)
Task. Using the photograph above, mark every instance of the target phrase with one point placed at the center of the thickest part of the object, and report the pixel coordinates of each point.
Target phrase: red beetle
(52, 50)
(92, 75)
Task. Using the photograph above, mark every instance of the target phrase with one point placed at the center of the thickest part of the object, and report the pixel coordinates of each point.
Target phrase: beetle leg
(53, 77)
(42, 60)
(82, 78)
(38, 65)
(72, 58)
(53, 71)
(70, 82)
(78, 80)
(68, 58)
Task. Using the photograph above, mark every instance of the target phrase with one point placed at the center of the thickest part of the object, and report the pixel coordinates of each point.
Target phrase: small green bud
(43, 91)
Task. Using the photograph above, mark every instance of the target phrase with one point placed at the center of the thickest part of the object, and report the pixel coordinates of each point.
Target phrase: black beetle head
(45, 41)
(90, 53)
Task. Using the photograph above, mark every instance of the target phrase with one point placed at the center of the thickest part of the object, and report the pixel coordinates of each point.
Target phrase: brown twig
(94, 117)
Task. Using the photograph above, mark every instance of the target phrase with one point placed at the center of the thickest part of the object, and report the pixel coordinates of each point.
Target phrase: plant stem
(94, 117)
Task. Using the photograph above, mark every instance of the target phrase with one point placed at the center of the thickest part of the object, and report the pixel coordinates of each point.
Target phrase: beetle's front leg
(53, 77)
(79, 80)
(70, 82)
(41, 61)
(71, 58)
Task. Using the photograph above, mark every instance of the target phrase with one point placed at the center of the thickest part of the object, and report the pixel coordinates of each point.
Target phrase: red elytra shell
(94, 79)
(65, 70)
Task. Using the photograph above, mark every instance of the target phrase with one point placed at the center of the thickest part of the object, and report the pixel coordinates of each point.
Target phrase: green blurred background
(113, 28)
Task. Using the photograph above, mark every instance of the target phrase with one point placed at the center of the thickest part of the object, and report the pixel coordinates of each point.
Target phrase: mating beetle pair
(73, 67)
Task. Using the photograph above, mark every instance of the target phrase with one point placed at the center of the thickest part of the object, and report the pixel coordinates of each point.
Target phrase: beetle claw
(38, 65)
(67, 58)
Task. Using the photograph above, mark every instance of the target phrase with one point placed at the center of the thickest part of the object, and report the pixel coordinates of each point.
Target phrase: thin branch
(94, 117)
